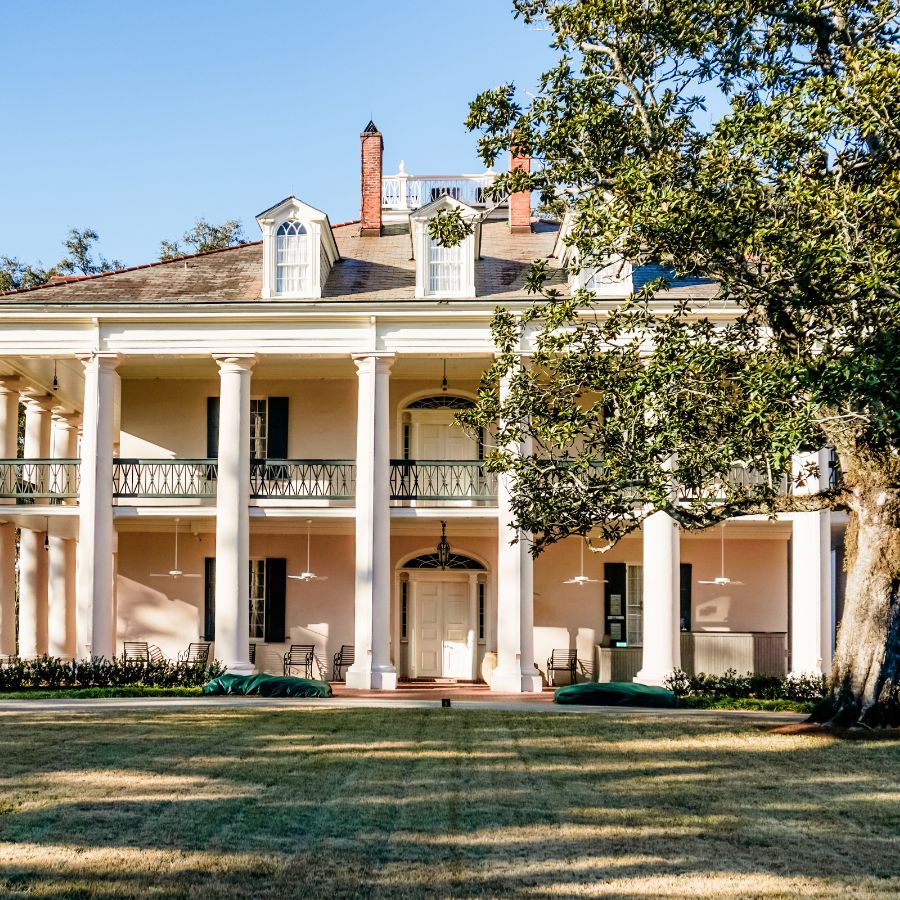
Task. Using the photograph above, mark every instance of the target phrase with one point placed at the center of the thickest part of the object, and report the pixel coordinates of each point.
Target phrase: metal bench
(562, 661)
(300, 656)
(342, 659)
(136, 651)
(197, 652)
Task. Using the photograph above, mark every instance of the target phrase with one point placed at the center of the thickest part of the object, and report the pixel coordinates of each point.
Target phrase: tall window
(259, 428)
(257, 598)
(444, 268)
(291, 258)
(404, 607)
(482, 609)
(634, 599)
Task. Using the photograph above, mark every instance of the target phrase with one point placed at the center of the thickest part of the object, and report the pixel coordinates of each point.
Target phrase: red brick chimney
(371, 152)
(520, 203)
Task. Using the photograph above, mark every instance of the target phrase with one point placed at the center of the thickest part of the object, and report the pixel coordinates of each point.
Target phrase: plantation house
(286, 408)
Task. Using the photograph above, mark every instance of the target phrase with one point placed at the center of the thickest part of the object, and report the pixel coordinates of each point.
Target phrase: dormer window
(298, 250)
(444, 271)
(444, 268)
(291, 258)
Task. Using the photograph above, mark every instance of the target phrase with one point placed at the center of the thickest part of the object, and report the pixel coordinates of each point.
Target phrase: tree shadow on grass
(425, 803)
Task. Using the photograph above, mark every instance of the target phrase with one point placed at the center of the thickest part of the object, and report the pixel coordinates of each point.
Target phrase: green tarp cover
(615, 693)
(267, 686)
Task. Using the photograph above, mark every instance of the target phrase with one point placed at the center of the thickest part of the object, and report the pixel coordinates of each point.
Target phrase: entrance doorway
(442, 640)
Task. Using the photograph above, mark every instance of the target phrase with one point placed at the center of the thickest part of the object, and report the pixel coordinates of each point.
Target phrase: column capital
(377, 361)
(34, 400)
(101, 358)
(9, 384)
(235, 362)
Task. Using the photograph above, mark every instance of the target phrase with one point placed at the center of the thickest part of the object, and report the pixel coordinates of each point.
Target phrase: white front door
(438, 438)
(442, 630)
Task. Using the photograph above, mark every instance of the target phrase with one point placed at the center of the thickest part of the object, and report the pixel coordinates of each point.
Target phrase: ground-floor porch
(753, 596)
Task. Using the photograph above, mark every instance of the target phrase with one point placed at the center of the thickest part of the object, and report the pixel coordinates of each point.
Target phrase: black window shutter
(614, 592)
(277, 432)
(685, 595)
(209, 599)
(276, 588)
(212, 427)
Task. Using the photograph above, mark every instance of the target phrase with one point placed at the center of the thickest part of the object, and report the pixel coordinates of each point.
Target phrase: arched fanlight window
(291, 258)
(453, 561)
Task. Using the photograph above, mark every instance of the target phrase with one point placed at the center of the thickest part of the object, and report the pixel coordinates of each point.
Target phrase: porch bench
(342, 659)
(300, 656)
(197, 652)
(136, 651)
(562, 661)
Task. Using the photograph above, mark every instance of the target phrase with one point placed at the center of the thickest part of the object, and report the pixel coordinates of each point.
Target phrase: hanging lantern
(443, 547)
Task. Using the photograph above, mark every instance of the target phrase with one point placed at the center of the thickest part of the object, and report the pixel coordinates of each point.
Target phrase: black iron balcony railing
(28, 480)
(442, 480)
(164, 479)
(303, 479)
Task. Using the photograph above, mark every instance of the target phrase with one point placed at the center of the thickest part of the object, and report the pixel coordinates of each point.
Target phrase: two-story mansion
(256, 446)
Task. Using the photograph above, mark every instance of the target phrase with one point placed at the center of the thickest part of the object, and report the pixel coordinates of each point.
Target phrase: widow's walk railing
(442, 480)
(403, 191)
(27, 480)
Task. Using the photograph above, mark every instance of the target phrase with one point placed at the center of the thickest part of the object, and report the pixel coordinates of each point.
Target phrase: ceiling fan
(308, 575)
(174, 572)
(722, 580)
(581, 578)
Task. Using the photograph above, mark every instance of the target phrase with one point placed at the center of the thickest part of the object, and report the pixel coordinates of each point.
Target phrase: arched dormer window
(298, 250)
(444, 268)
(291, 258)
(444, 271)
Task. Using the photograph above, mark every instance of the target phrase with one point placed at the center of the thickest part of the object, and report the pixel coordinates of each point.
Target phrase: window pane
(634, 595)
(258, 428)
(444, 268)
(257, 598)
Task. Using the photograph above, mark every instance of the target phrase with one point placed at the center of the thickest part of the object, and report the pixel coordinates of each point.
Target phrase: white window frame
(634, 605)
(292, 259)
(259, 435)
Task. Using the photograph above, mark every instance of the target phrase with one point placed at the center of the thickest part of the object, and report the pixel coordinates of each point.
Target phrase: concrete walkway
(464, 697)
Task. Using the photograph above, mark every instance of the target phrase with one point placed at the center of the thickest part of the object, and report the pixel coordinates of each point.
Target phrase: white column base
(382, 679)
(516, 682)
(652, 679)
(240, 668)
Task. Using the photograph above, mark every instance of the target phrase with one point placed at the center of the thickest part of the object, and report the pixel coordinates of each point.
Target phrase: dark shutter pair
(615, 601)
(276, 431)
(276, 592)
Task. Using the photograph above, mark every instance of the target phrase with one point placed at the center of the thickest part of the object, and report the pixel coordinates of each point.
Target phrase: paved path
(500, 703)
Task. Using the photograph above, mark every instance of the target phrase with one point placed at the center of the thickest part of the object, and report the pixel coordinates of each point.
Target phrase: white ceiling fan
(722, 580)
(308, 575)
(581, 578)
(174, 572)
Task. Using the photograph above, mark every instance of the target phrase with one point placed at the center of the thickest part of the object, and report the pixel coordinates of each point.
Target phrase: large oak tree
(789, 199)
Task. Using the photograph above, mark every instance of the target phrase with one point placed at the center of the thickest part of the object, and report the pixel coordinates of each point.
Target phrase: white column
(61, 557)
(662, 653)
(95, 629)
(32, 553)
(9, 429)
(373, 668)
(232, 516)
(812, 605)
(515, 672)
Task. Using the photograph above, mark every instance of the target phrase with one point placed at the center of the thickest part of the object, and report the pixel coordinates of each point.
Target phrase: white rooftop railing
(404, 191)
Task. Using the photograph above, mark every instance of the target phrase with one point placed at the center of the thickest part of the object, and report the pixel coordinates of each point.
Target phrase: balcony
(303, 479)
(50, 480)
(442, 481)
(164, 479)
(407, 192)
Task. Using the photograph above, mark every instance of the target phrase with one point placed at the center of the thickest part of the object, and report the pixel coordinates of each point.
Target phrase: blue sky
(135, 118)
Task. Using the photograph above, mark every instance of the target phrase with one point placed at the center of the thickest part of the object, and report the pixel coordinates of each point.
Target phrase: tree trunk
(865, 678)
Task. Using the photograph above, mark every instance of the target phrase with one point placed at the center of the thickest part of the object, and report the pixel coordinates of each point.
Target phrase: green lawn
(438, 803)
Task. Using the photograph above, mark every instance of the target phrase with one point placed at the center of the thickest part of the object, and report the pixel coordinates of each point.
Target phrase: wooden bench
(562, 661)
(300, 656)
(342, 659)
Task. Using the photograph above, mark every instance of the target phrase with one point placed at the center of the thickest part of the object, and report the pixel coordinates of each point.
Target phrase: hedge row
(51, 672)
(731, 686)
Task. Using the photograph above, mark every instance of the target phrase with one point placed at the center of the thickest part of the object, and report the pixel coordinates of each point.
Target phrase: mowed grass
(438, 803)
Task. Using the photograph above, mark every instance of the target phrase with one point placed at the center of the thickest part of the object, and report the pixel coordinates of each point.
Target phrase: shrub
(50, 672)
(731, 686)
